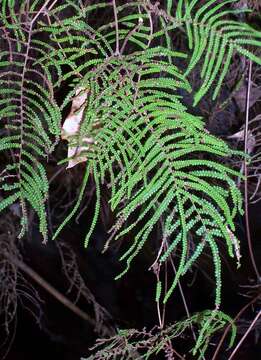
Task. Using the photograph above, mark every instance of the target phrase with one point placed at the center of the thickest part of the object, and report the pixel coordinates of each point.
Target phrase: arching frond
(132, 128)
(28, 111)
(214, 37)
(159, 160)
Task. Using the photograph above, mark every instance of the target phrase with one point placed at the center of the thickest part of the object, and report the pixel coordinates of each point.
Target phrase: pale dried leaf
(71, 129)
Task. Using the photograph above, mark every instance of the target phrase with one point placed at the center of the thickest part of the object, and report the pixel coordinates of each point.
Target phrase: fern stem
(57, 294)
(39, 12)
(218, 347)
(183, 298)
(68, 218)
(97, 205)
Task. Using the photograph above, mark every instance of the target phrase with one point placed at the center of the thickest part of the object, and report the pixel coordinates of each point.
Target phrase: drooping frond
(128, 342)
(214, 37)
(28, 111)
(132, 128)
(135, 134)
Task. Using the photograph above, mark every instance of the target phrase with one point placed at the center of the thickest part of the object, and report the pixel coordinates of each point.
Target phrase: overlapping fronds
(214, 37)
(135, 133)
(160, 162)
(30, 118)
(148, 344)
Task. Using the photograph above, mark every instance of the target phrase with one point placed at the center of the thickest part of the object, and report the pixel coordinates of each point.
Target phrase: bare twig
(184, 303)
(43, 8)
(245, 335)
(248, 233)
(117, 49)
(229, 325)
(76, 282)
(129, 35)
(57, 295)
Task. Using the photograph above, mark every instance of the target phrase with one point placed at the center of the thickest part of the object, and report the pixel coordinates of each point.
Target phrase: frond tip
(29, 114)
(214, 37)
(131, 126)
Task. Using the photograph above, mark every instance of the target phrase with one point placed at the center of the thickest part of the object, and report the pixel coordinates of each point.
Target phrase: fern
(131, 343)
(212, 35)
(138, 137)
(146, 141)
(29, 112)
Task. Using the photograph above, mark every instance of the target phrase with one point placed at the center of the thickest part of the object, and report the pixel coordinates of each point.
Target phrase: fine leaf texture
(30, 117)
(132, 128)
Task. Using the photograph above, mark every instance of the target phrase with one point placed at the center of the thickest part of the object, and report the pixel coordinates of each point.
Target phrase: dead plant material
(78, 285)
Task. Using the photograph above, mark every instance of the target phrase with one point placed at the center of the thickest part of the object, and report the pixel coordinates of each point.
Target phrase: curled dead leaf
(71, 128)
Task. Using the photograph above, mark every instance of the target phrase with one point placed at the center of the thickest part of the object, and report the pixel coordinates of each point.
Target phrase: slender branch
(39, 12)
(117, 48)
(245, 335)
(185, 303)
(248, 233)
(56, 294)
(229, 325)
(129, 35)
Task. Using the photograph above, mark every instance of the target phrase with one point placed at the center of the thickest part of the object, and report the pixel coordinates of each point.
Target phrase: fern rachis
(134, 131)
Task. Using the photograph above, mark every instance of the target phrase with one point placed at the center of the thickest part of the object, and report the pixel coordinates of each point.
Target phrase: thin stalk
(117, 48)
(245, 335)
(248, 233)
(57, 295)
(229, 326)
(185, 303)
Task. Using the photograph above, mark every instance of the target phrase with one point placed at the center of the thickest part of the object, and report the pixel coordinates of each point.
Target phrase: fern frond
(134, 131)
(215, 38)
(129, 341)
(157, 158)
(29, 114)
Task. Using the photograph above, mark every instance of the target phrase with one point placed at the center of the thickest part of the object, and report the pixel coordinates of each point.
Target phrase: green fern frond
(215, 38)
(146, 145)
(29, 114)
(137, 136)
(129, 341)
